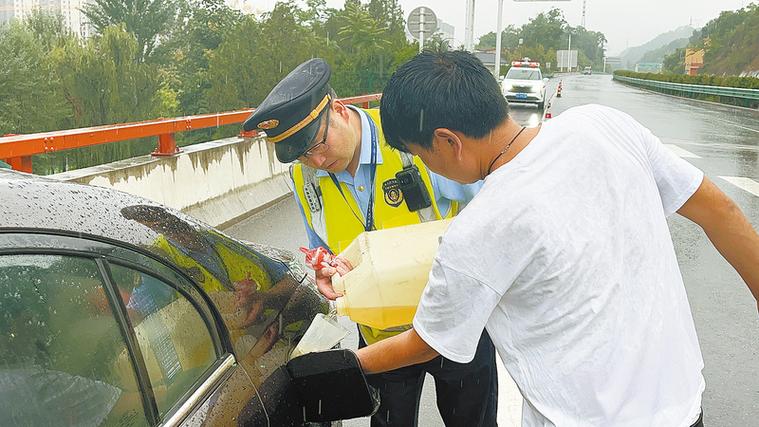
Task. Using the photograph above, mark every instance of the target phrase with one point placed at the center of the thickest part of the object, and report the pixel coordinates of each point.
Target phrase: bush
(705, 79)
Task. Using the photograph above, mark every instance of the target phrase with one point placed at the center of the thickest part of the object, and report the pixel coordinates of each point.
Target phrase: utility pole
(469, 27)
(583, 14)
(499, 30)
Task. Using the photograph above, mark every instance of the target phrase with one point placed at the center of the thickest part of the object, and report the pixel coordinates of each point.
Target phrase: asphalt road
(723, 141)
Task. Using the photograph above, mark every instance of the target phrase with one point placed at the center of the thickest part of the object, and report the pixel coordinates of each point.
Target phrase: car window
(173, 337)
(523, 74)
(61, 350)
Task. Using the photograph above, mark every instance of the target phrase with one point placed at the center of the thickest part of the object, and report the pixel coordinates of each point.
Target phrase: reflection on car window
(62, 356)
(249, 289)
(175, 342)
(523, 74)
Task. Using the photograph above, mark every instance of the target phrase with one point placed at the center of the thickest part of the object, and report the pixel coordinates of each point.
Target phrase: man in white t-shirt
(564, 256)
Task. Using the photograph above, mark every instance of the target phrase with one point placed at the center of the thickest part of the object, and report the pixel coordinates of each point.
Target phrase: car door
(98, 334)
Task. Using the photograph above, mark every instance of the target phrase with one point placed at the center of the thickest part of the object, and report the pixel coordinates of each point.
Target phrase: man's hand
(324, 275)
(728, 229)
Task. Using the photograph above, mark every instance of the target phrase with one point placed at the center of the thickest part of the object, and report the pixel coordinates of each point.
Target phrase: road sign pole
(422, 24)
(421, 31)
(499, 30)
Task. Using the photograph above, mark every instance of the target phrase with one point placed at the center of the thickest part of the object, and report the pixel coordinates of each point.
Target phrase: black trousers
(467, 394)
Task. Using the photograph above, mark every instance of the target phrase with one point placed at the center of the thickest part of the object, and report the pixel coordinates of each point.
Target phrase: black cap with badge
(290, 114)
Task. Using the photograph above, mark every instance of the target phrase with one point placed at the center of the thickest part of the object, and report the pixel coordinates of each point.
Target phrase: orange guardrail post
(23, 164)
(167, 145)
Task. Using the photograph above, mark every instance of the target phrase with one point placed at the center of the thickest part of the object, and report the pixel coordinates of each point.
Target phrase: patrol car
(524, 83)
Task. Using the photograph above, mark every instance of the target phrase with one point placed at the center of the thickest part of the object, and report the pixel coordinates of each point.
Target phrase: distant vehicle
(524, 83)
(587, 71)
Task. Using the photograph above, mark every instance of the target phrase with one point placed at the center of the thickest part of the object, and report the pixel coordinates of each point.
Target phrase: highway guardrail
(740, 96)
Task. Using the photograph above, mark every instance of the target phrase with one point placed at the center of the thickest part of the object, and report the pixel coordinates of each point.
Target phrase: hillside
(732, 42)
(658, 55)
(633, 55)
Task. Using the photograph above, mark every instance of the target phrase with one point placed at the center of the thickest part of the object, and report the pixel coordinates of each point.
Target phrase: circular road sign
(415, 25)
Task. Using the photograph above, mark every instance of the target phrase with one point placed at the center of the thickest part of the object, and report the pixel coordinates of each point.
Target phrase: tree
(184, 56)
(675, 62)
(30, 91)
(543, 35)
(437, 43)
(366, 43)
(509, 39)
(146, 19)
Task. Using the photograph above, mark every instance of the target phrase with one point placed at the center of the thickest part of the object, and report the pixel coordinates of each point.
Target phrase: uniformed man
(348, 180)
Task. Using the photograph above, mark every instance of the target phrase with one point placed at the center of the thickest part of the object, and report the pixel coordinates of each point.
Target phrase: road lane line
(746, 184)
(737, 125)
(681, 152)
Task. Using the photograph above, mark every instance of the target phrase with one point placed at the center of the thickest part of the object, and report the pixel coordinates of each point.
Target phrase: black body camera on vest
(412, 186)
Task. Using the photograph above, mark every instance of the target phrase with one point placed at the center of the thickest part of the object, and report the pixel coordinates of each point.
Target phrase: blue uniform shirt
(360, 186)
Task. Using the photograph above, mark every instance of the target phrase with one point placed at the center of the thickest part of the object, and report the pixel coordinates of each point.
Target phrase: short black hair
(435, 90)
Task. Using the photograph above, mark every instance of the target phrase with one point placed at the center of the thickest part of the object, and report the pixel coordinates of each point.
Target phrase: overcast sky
(624, 22)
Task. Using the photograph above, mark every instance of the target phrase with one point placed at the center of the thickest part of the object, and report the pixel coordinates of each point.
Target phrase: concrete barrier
(219, 182)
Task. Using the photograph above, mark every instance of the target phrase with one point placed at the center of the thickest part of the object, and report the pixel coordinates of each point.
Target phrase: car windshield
(523, 74)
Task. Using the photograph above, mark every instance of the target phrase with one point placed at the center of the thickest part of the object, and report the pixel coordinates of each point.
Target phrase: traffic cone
(548, 115)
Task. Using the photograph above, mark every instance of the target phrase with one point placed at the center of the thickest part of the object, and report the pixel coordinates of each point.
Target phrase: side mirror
(331, 386)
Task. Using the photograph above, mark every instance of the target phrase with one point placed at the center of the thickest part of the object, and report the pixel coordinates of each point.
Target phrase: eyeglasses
(320, 146)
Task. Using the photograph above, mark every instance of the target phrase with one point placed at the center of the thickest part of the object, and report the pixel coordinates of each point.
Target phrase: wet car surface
(118, 311)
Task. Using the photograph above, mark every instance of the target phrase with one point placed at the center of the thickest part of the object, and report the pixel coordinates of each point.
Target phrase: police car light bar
(525, 64)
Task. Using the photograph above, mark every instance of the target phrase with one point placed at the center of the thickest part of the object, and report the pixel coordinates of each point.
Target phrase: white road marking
(746, 184)
(681, 152)
(734, 124)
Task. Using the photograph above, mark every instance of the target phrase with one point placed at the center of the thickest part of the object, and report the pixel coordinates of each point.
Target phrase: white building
(69, 10)
(446, 30)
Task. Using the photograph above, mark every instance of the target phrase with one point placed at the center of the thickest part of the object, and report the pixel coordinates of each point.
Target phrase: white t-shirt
(566, 259)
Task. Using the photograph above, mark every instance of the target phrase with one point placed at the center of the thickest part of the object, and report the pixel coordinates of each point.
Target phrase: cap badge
(268, 124)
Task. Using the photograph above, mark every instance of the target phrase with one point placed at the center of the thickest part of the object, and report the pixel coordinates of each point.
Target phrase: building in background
(694, 61)
(446, 31)
(69, 10)
(648, 67)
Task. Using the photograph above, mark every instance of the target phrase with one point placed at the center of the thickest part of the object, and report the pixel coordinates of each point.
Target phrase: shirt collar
(366, 145)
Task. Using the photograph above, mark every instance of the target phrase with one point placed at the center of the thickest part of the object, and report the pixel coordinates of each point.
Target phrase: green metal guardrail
(744, 97)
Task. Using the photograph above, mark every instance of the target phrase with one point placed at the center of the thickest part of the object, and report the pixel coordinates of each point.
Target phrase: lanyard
(369, 225)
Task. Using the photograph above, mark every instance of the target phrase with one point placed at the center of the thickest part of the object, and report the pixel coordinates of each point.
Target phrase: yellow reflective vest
(234, 264)
(340, 224)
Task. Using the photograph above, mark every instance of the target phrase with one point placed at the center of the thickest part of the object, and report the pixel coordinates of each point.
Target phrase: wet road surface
(723, 141)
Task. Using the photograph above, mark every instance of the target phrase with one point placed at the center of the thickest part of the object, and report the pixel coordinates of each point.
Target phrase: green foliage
(543, 36)
(145, 19)
(730, 41)
(709, 80)
(674, 63)
(30, 90)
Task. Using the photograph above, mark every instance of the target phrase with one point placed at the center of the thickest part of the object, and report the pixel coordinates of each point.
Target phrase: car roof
(32, 202)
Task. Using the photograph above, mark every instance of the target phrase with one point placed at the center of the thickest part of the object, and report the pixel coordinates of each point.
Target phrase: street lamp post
(499, 30)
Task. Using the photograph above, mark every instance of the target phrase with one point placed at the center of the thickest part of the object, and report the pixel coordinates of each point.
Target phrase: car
(115, 310)
(587, 71)
(524, 83)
